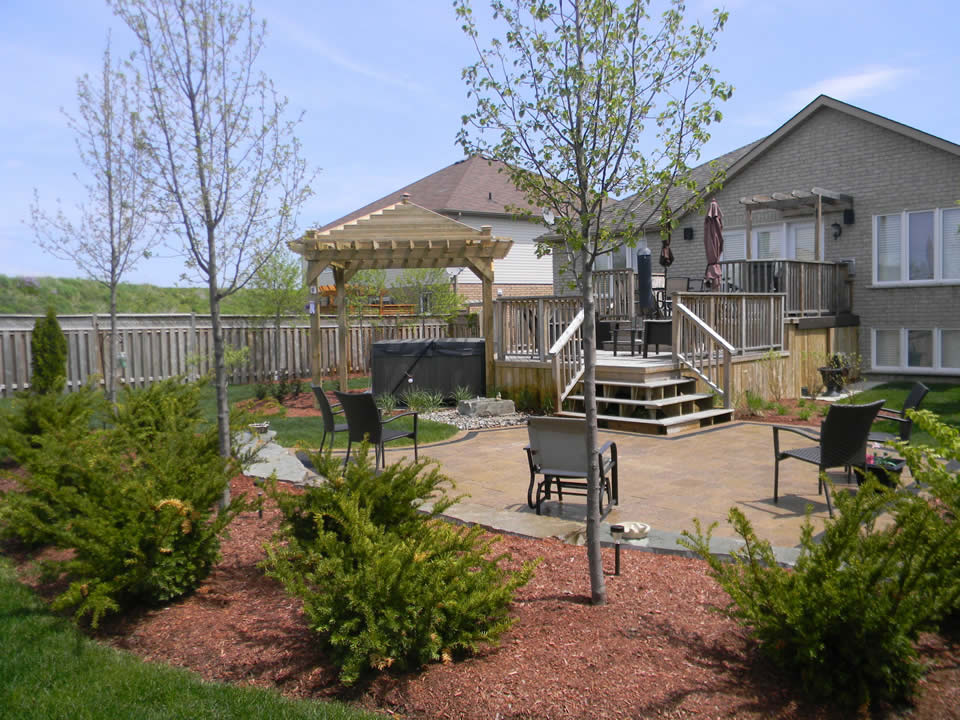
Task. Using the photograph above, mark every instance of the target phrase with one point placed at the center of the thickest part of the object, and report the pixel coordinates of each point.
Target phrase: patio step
(661, 426)
(660, 405)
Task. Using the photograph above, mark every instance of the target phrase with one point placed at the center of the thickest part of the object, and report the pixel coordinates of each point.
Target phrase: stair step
(663, 426)
(662, 402)
(645, 384)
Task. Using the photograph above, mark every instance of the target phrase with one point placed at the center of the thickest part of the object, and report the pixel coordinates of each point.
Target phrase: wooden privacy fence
(156, 347)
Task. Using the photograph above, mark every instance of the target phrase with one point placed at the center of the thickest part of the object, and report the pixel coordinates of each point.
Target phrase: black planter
(833, 379)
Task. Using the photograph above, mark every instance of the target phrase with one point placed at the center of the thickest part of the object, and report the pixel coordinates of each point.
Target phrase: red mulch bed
(790, 417)
(657, 650)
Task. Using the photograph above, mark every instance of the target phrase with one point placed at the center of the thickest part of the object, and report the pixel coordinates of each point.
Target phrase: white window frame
(788, 250)
(904, 215)
(904, 368)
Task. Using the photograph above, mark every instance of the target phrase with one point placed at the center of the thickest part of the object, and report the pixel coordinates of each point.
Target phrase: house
(476, 192)
(885, 198)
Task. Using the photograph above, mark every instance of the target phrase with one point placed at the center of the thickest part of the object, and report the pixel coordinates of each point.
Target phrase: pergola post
(343, 337)
(316, 359)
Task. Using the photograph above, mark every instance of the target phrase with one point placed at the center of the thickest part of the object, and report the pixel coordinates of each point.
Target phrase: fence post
(192, 348)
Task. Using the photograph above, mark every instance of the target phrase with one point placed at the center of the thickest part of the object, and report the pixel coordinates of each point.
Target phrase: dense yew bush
(48, 349)
(133, 500)
(846, 618)
(384, 585)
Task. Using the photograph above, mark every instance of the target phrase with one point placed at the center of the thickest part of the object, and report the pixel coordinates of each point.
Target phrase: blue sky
(380, 85)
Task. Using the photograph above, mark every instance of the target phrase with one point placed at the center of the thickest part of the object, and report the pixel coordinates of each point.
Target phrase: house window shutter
(887, 348)
(950, 232)
(888, 248)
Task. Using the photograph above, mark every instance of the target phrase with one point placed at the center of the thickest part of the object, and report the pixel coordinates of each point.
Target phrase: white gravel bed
(474, 422)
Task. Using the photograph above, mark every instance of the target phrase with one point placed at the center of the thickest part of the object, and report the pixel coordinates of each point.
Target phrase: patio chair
(558, 452)
(364, 420)
(917, 393)
(842, 442)
(329, 421)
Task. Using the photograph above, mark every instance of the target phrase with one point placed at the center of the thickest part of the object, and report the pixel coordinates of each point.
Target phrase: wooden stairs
(658, 401)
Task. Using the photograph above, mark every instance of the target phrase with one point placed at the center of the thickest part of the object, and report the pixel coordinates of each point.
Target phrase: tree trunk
(114, 366)
(220, 370)
(598, 590)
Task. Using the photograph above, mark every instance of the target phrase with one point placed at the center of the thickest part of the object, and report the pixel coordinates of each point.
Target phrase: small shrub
(48, 348)
(753, 403)
(461, 393)
(261, 390)
(423, 401)
(772, 368)
(281, 388)
(804, 413)
(779, 409)
(383, 585)
(845, 620)
(133, 501)
(387, 402)
(296, 386)
(824, 410)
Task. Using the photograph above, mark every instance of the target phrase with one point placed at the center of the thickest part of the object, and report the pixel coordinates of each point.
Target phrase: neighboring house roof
(472, 185)
(738, 160)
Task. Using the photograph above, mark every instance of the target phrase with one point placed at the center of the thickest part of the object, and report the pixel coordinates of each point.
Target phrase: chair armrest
(893, 418)
(606, 446)
(798, 431)
(335, 411)
(891, 411)
(395, 417)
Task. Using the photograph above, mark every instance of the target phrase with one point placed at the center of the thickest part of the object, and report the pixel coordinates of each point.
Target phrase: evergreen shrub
(133, 501)
(846, 617)
(48, 348)
(384, 585)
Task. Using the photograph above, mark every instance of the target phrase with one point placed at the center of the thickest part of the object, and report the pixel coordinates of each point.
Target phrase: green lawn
(943, 399)
(49, 670)
(308, 431)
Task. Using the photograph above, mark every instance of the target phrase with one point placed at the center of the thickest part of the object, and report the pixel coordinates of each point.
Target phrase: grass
(49, 670)
(943, 399)
(307, 431)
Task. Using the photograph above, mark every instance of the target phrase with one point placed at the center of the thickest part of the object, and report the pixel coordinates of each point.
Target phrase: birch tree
(587, 101)
(114, 229)
(226, 159)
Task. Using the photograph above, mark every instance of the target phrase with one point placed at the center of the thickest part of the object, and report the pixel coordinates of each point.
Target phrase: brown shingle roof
(472, 185)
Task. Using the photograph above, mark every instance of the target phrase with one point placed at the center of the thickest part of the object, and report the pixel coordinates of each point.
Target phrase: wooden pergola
(813, 199)
(401, 235)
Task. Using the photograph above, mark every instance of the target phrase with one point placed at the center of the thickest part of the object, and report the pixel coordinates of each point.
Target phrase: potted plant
(835, 373)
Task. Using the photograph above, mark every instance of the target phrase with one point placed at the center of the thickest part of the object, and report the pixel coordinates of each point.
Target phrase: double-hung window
(917, 247)
(926, 350)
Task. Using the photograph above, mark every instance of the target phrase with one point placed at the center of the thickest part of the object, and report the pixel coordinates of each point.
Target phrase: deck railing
(811, 289)
(701, 349)
(614, 291)
(566, 356)
(526, 328)
(750, 322)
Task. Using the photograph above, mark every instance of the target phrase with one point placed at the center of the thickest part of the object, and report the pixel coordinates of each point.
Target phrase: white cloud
(848, 87)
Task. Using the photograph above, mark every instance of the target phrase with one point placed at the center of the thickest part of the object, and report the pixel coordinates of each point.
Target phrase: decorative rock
(486, 407)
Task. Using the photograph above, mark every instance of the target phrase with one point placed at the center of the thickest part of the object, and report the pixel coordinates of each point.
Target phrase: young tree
(428, 290)
(48, 351)
(113, 231)
(226, 160)
(278, 290)
(564, 100)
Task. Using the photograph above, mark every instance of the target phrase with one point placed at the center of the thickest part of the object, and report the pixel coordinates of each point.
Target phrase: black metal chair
(328, 412)
(364, 421)
(917, 393)
(842, 442)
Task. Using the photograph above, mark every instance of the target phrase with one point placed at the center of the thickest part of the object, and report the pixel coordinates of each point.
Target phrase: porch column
(749, 230)
(316, 358)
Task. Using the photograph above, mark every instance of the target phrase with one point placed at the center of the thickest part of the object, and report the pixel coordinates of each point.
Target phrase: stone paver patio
(664, 482)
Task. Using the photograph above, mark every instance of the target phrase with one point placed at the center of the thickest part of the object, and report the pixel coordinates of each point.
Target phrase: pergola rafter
(399, 236)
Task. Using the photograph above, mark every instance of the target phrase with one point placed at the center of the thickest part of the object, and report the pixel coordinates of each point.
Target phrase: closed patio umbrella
(713, 245)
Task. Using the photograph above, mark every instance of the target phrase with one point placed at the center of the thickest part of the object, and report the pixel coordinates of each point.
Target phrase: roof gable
(472, 185)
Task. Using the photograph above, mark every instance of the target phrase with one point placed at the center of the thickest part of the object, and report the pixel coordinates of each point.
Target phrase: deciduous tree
(113, 231)
(567, 99)
(226, 159)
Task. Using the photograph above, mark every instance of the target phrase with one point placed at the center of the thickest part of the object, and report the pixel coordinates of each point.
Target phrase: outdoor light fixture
(837, 230)
(616, 532)
(688, 233)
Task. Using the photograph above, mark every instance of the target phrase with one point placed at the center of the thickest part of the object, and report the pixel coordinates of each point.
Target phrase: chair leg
(324, 440)
(776, 480)
(347, 458)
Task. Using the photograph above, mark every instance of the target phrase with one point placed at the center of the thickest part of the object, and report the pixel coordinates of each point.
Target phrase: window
(934, 350)
(919, 247)
(768, 244)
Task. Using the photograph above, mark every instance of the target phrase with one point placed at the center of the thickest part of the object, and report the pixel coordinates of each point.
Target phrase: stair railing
(700, 348)
(566, 356)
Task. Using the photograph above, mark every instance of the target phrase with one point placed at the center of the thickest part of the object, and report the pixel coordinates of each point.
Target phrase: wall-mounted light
(837, 230)
(688, 233)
